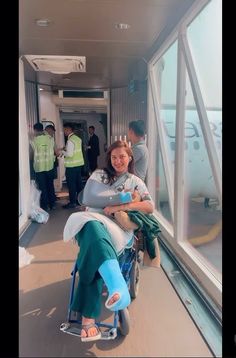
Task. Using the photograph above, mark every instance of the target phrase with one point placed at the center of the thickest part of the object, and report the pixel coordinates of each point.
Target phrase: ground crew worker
(43, 160)
(50, 130)
(73, 160)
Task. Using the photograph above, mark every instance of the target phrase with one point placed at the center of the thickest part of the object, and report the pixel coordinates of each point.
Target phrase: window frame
(209, 277)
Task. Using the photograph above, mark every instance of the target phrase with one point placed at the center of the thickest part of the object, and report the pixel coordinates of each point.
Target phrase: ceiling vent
(57, 64)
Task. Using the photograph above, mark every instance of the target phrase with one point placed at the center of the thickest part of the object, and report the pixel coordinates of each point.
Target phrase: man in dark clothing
(93, 149)
(74, 160)
(50, 130)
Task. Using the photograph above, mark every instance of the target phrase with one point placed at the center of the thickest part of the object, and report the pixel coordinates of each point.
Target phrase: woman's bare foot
(91, 331)
(113, 299)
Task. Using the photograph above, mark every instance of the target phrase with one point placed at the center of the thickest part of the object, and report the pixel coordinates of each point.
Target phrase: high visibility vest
(43, 153)
(53, 144)
(77, 159)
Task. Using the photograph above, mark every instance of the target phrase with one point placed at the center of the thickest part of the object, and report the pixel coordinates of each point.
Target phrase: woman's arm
(141, 200)
(145, 206)
(99, 195)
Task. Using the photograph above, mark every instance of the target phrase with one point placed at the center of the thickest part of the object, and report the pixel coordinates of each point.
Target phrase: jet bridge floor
(160, 325)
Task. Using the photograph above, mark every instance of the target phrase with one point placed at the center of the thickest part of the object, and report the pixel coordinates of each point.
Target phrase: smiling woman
(100, 234)
(120, 158)
(105, 65)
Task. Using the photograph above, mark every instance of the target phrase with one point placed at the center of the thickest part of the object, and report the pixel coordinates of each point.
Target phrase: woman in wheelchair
(101, 239)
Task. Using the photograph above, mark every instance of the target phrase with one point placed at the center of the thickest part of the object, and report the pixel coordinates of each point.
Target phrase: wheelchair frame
(128, 262)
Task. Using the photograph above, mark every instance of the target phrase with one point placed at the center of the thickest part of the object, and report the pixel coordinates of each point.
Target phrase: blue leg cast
(115, 282)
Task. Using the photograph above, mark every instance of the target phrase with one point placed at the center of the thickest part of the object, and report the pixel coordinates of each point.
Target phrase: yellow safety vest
(77, 159)
(43, 153)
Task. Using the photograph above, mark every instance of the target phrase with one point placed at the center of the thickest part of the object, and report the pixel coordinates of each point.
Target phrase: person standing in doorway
(43, 159)
(140, 151)
(93, 149)
(50, 130)
(73, 160)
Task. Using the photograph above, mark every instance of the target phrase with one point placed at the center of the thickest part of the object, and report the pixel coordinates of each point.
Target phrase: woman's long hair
(109, 168)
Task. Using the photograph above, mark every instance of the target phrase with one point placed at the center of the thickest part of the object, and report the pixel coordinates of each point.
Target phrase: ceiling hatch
(57, 64)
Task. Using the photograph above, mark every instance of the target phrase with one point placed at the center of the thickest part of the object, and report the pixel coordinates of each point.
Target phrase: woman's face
(119, 160)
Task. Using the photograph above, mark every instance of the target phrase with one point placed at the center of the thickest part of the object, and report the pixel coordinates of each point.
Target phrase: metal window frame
(188, 17)
(179, 146)
(204, 122)
(198, 265)
(151, 143)
(162, 140)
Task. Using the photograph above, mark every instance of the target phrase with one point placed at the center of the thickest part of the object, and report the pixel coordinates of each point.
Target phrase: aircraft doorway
(81, 123)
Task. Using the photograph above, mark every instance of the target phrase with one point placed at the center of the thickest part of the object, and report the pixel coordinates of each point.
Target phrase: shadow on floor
(41, 313)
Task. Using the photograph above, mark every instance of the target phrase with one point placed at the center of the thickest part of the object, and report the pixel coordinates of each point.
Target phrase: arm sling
(98, 194)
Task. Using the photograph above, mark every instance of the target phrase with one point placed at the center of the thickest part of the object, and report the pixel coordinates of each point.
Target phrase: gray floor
(160, 325)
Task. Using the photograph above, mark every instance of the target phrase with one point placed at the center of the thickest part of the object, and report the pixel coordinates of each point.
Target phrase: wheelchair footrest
(68, 328)
(76, 331)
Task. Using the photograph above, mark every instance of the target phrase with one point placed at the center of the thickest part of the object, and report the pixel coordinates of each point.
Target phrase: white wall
(47, 109)
(50, 112)
(24, 170)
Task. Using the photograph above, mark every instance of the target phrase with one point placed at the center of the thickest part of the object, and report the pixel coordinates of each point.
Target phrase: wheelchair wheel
(134, 280)
(124, 321)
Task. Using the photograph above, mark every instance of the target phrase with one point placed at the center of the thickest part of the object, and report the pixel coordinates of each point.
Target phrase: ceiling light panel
(42, 22)
(57, 64)
(121, 26)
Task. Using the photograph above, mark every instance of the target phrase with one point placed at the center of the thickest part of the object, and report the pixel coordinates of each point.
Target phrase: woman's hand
(136, 196)
(108, 210)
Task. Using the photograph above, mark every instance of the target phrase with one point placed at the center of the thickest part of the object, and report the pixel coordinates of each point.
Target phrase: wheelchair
(129, 264)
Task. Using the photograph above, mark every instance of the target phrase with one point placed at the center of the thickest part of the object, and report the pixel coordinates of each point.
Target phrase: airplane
(198, 173)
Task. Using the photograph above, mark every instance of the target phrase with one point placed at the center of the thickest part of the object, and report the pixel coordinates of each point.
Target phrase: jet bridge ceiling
(88, 28)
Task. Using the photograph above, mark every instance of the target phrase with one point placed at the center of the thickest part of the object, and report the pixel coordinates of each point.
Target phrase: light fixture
(42, 22)
(121, 26)
(57, 64)
(41, 89)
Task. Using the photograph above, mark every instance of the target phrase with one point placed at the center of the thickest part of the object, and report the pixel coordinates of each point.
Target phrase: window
(166, 75)
(196, 145)
(202, 211)
(195, 231)
(165, 71)
(205, 40)
(203, 215)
